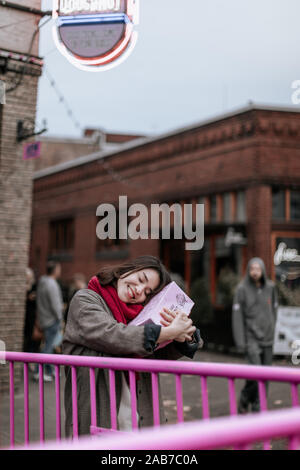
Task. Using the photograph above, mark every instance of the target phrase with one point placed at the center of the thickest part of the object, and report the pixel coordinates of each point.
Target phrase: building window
(278, 203)
(295, 205)
(286, 204)
(227, 207)
(61, 236)
(241, 206)
(213, 209)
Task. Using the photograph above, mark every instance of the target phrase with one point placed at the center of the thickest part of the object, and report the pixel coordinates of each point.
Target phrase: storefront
(249, 184)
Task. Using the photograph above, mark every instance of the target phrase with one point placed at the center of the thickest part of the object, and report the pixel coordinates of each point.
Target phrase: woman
(97, 326)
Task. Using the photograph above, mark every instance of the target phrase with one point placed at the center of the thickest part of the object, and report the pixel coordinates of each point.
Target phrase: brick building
(55, 150)
(20, 68)
(245, 168)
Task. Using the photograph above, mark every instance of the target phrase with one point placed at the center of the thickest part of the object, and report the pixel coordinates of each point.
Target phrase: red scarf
(122, 312)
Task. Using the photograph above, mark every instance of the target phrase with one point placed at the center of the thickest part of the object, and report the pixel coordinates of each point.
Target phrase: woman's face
(133, 288)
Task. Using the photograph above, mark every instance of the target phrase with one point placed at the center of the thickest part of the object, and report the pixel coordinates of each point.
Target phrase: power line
(62, 99)
(13, 24)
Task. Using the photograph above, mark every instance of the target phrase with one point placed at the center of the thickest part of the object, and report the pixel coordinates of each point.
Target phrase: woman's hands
(177, 325)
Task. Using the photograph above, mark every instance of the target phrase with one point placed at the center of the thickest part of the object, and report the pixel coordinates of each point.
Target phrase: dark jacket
(92, 330)
(254, 311)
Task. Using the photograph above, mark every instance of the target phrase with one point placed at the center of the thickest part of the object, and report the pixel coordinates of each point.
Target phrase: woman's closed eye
(147, 292)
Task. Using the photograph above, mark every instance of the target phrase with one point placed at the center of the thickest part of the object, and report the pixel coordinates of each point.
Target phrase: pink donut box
(171, 297)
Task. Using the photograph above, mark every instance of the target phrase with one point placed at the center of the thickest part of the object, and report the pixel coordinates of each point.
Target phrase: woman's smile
(131, 293)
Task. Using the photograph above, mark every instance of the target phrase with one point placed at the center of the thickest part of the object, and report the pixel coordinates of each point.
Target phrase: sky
(194, 60)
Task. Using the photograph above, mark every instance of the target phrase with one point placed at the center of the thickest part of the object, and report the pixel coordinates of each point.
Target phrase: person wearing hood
(253, 322)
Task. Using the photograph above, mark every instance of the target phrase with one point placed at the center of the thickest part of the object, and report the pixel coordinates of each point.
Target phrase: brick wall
(15, 181)
(250, 151)
(18, 36)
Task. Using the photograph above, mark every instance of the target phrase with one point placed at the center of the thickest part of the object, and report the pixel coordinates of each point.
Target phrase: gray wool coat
(92, 330)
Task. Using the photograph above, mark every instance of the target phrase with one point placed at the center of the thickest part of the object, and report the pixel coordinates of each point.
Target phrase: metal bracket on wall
(3, 65)
(25, 129)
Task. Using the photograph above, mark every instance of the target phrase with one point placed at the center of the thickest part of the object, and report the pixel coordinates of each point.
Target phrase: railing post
(155, 399)
(204, 394)
(74, 402)
(57, 403)
(179, 399)
(263, 406)
(232, 397)
(26, 405)
(132, 383)
(294, 392)
(262, 395)
(113, 401)
(41, 392)
(93, 398)
(12, 404)
(293, 443)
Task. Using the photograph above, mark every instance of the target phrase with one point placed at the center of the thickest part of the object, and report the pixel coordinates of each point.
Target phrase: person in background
(78, 282)
(30, 345)
(50, 311)
(253, 321)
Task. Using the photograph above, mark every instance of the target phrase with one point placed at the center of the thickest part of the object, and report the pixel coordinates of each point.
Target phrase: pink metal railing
(262, 374)
(219, 433)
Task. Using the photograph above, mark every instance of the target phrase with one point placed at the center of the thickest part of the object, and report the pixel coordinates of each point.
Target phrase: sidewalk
(279, 397)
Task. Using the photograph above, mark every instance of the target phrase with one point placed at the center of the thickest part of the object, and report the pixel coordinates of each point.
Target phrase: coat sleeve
(90, 325)
(238, 320)
(168, 353)
(176, 350)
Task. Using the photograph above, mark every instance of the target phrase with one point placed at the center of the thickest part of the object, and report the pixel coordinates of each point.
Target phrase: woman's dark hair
(110, 275)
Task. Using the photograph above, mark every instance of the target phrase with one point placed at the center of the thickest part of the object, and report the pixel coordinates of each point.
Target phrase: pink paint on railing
(262, 374)
(113, 401)
(294, 443)
(232, 397)
(205, 403)
(262, 395)
(11, 404)
(294, 392)
(93, 398)
(155, 399)
(217, 433)
(41, 392)
(205, 369)
(74, 402)
(179, 399)
(57, 403)
(132, 383)
(26, 405)
(263, 405)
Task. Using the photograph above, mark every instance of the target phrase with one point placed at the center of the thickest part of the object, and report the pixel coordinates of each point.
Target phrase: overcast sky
(194, 59)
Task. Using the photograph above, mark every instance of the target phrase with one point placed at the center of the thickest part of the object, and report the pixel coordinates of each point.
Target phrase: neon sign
(95, 35)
